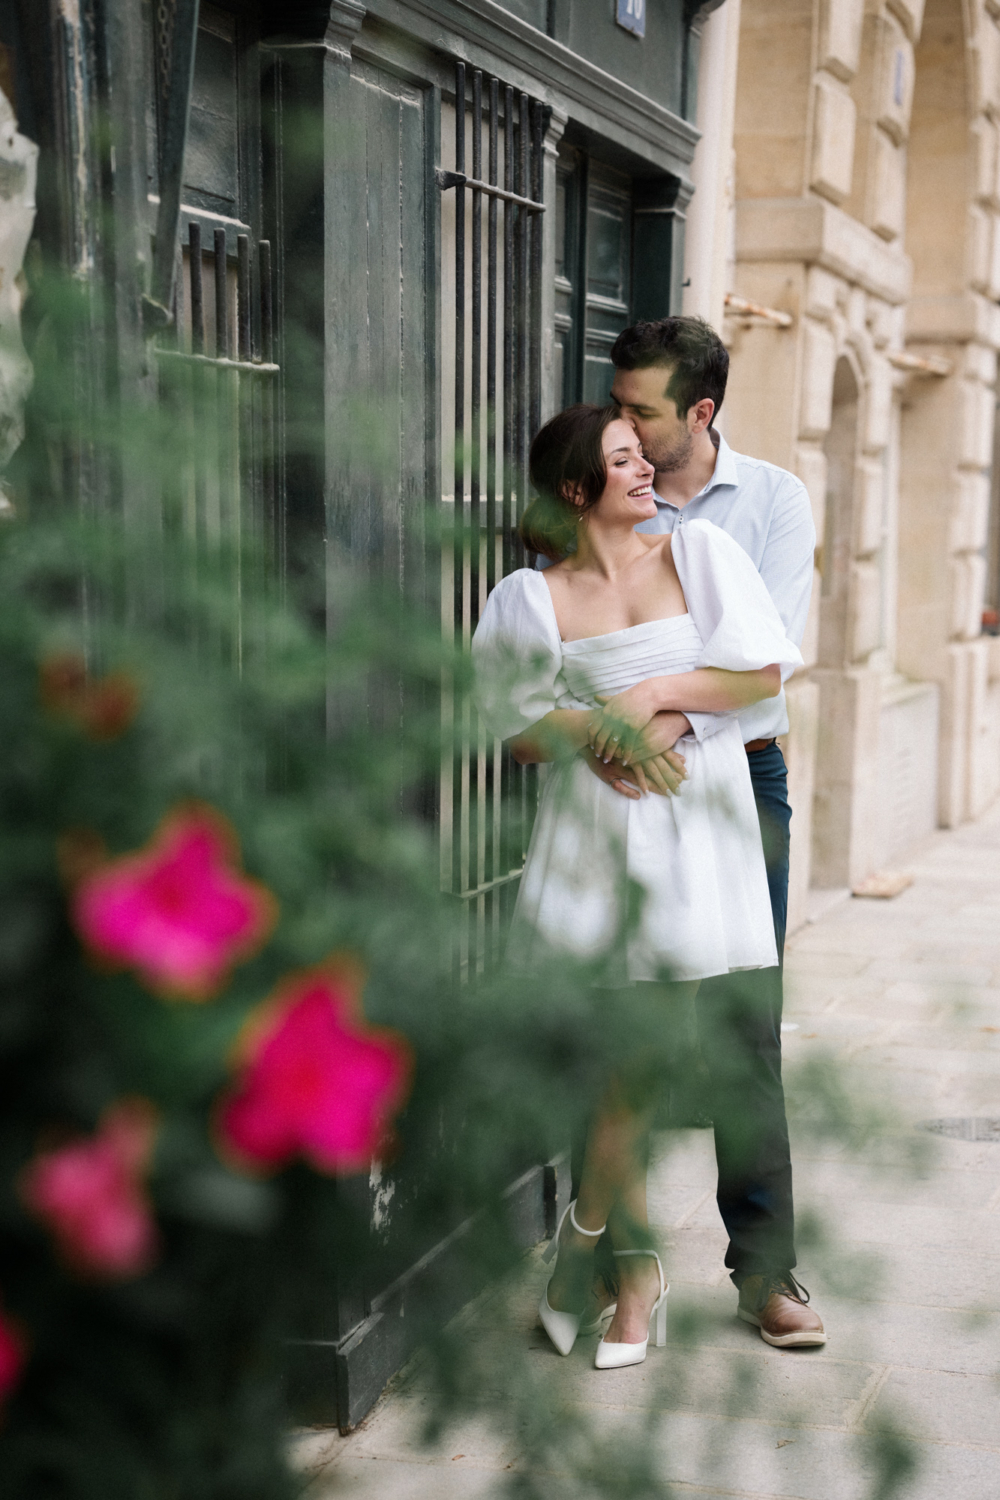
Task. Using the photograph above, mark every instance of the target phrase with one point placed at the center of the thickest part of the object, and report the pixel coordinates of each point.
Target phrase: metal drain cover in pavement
(972, 1128)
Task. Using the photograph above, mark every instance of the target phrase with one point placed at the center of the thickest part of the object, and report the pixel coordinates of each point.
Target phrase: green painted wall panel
(379, 331)
(653, 64)
(535, 12)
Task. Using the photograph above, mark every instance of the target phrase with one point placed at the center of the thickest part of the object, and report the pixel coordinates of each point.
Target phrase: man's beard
(667, 460)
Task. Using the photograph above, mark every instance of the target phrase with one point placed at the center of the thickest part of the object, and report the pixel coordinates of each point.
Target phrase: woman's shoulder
(705, 533)
(521, 585)
(519, 601)
(702, 540)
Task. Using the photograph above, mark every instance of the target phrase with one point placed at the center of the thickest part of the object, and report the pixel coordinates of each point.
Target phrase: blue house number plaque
(632, 15)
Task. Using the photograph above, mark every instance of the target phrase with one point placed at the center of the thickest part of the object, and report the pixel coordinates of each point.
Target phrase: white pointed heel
(562, 1327)
(616, 1356)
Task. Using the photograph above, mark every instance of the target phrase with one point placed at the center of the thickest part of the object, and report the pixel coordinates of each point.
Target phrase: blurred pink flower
(315, 1080)
(90, 1193)
(11, 1357)
(178, 912)
(102, 707)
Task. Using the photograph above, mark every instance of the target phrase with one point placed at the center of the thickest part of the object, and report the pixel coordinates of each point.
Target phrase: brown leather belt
(752, 746)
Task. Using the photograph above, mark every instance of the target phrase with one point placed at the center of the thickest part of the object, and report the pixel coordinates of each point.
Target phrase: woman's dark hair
(566, 455)
(688, 347)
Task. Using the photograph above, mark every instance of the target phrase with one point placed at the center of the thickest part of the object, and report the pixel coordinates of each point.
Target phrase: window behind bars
(216, 364)
(491, 181)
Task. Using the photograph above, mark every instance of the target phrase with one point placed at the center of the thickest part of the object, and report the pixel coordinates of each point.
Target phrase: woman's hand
(661, 770)
(614, 729)
(660, 734)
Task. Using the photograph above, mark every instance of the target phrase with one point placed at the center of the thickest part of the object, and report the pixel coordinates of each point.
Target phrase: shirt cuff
(703, 726)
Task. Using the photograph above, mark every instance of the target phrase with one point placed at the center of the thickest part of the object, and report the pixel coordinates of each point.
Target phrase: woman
(582, 659)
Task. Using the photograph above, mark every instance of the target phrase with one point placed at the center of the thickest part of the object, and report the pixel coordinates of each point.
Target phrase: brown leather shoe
(777, 1306)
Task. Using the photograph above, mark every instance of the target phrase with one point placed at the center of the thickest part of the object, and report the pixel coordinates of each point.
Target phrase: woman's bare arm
(560, 734)
(705, 690)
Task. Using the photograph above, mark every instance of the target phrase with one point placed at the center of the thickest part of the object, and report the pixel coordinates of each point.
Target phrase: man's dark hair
(689, 347)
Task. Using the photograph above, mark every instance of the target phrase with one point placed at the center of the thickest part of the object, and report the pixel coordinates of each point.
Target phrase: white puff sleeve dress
(664, 887)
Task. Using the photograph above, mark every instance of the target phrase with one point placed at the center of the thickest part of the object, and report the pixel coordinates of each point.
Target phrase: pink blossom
(103, 708)
(90, 1193)
(11, 1357)
(315, 1080)
(178, 912)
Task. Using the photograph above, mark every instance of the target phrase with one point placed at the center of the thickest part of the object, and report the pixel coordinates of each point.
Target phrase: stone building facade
(849, 178)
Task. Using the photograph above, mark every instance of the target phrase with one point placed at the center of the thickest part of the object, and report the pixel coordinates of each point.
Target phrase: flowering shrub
(313, 1080)
(91, 1194)
(11, 1358)
(178, 912)
(102, 708)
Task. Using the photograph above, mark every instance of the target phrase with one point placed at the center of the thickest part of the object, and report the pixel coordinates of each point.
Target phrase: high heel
(562, 1327)
(615, 1356)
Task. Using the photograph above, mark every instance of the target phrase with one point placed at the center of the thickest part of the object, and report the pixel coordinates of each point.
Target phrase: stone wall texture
(866, 140)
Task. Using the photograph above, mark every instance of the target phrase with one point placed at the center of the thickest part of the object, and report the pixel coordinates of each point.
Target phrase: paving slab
(899, 1234)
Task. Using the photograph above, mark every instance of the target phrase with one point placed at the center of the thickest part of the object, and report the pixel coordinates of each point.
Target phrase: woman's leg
(613, 1187)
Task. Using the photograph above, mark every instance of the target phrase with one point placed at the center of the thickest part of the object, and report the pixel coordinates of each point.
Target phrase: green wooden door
(617, 252)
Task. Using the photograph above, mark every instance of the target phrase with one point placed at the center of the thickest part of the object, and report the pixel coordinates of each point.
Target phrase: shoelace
(787, 1286)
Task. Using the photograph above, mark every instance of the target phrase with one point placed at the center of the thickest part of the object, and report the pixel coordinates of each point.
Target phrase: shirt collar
(724, 472)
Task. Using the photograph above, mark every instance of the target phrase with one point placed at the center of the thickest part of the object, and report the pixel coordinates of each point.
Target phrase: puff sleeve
(729, 603)
(517, 655)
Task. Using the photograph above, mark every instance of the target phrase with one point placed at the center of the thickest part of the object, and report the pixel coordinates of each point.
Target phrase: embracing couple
(646, 662)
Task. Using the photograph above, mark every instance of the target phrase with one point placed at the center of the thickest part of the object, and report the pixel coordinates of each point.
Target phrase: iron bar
(476, 534)
(197, 291)
(477, 313)
(266, 306)
(491, 190)
(523, 309)
(243, 296)
(535, 290)
(461, 588)
(247, 366)
(508, 325)
(176, 73)
(491, 346)
(489, 885)
(496, 756)
(221, 297)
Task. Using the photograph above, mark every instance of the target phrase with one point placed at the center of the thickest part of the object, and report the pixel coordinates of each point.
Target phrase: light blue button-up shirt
(767, 511)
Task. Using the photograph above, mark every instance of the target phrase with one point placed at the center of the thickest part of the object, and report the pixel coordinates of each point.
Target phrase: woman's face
(628, 492)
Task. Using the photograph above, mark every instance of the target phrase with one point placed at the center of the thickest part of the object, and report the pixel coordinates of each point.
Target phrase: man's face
(666, 438)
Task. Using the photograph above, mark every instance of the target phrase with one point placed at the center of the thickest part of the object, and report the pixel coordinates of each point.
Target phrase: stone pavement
(898, 1249)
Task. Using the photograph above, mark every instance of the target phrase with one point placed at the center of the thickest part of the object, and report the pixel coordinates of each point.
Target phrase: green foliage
(312, 723)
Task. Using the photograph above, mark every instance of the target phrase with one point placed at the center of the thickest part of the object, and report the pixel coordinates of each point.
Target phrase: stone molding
(346, 20)
(486, 34)
(321, 23)
(959, 319)
(818, 233)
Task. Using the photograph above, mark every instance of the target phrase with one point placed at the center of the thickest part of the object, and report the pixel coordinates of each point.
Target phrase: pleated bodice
(609, 664)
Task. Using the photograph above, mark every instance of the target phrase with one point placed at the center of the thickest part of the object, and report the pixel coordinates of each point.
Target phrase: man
(670, 379)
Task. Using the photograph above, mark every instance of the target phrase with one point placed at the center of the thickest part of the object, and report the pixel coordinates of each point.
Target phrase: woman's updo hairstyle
(566, 456)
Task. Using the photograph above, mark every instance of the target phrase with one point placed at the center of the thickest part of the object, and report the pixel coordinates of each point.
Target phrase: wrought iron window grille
(217, 374)
(487, 801)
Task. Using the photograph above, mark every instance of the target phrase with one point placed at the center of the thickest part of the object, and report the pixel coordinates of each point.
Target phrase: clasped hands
(629, 734)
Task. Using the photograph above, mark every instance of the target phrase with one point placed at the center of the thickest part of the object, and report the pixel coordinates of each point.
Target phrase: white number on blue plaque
(632, 15)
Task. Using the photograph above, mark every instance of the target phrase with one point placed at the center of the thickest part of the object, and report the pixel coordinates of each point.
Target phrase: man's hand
(615, 775)
(662, 774)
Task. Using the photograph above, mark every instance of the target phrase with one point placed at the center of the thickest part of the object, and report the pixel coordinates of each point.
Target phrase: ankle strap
(592, 1234)
(618, 1254)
